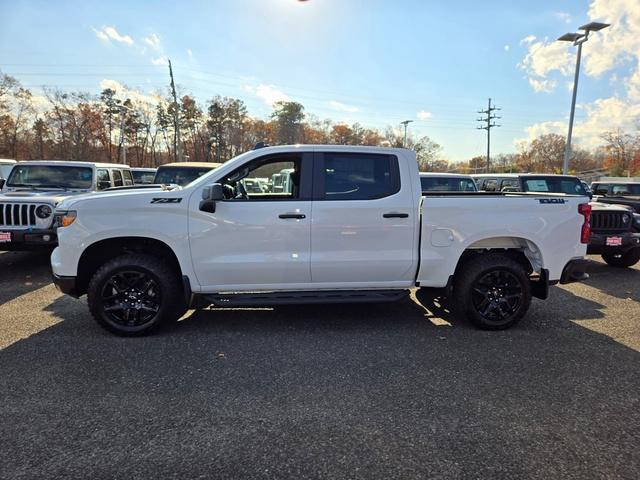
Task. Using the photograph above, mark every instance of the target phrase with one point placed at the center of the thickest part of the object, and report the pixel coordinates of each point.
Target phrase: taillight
(584, 209)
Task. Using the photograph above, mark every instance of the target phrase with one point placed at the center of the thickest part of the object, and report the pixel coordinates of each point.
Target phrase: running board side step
(264, 299)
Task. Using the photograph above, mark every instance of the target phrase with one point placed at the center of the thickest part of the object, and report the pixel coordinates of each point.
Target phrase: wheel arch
(101, 251)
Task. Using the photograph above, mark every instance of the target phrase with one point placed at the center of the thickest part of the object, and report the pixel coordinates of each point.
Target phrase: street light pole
(405, 123)
(567, 147)
(578, 39)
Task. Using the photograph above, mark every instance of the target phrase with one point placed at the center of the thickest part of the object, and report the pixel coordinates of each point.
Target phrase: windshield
(447, 184)
(179, 175)
(571, 186)
(51, 176)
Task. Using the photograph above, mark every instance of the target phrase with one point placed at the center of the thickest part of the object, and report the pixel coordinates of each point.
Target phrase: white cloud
(190, 53)
(161, 60)
(107, 34)
(527, 40)
(269, 94)
(563, 16)
(544, 56)
(123, 92)
(343, 107)
(542, 85)
(153, 41)
(507, 48)
(423, 115)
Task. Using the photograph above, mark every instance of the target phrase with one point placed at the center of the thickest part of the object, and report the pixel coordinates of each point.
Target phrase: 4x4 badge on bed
(552, 200)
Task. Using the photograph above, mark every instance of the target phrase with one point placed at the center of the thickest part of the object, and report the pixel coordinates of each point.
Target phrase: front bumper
(66, 285)
(598, 243)
(30, 239)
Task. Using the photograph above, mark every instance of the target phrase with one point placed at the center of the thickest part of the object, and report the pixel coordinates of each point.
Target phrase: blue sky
(372, 61)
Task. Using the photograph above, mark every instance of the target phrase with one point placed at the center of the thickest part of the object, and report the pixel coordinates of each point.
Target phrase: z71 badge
(552, 200)
(166, 200)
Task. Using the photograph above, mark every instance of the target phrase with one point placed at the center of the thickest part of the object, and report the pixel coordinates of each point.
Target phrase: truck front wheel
(627, 259)
(134, 294)
(492, 290)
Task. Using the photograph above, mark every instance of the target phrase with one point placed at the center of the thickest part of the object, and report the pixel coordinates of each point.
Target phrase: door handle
(395, 215)
(292, 215)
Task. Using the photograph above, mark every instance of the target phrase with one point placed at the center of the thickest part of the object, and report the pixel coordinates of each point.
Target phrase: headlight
(636, 220)
(65, 218)
(44, 211)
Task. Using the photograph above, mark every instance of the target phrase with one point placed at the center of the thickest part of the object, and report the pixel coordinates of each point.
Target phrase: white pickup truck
(353, 226)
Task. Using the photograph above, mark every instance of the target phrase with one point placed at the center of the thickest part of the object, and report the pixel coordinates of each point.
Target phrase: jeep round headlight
(44, 211)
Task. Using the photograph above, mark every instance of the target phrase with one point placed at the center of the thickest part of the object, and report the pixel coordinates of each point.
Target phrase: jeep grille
(610, 221)
(18, 214)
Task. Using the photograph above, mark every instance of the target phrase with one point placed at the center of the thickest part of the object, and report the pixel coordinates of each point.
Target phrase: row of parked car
(615, 219)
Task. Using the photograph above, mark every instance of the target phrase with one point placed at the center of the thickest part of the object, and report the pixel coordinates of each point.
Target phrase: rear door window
(359, 176)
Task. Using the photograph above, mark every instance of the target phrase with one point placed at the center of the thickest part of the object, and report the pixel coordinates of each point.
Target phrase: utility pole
(177, 144)
(405, 123)
(489, 119)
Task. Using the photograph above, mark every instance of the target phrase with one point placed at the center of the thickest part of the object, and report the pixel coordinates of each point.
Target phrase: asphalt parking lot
(367, 391)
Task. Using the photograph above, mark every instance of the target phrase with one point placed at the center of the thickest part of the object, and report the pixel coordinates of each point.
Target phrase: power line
(489, 119)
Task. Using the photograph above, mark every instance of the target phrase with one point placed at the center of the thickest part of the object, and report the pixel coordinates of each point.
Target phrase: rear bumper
(598, 243)
(66, 285)
(574, 271)
(30, 239)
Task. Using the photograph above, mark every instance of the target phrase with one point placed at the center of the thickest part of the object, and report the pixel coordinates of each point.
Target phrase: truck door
(364, 221)
(255, 239)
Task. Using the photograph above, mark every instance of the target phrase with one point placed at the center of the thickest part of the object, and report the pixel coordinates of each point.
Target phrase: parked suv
(615, 234)
(143, 176)
(34, 188)
(182, 173)
(621, 193)
(446, 182)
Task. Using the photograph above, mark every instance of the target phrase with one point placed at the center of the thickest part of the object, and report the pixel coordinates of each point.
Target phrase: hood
(38, 196)
(609, 207)
(133, 193)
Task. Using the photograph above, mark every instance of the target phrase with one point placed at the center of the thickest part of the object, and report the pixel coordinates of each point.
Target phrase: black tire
(134, 294)
(492, 291)
(627, 259)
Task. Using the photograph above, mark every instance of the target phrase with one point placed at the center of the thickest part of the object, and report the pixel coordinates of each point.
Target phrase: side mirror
(210, 195)
(2, 180)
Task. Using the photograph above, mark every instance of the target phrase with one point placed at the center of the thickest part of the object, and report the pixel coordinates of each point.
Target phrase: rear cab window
(358, 176)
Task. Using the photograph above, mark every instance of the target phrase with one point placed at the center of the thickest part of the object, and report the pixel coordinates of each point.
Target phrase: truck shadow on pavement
(23, 272)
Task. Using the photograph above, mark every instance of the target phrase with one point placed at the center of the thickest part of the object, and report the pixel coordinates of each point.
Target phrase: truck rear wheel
(134, 294)
(627, 259)
(493, 291)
